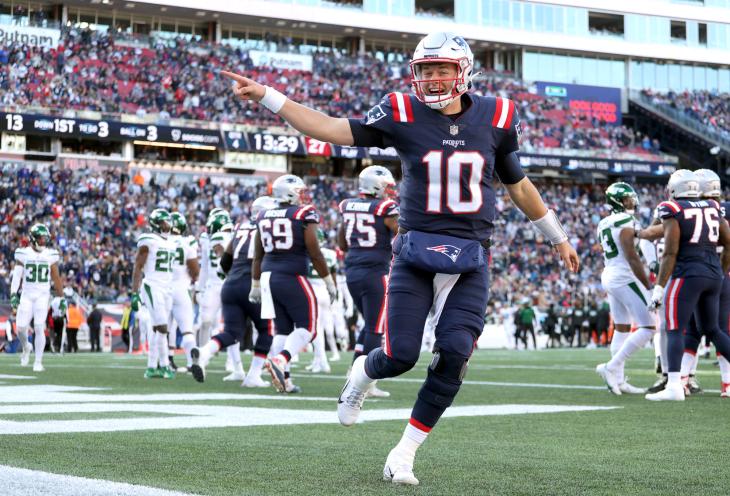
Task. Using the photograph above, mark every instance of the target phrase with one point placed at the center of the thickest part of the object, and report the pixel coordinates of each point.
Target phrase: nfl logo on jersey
(454, 130)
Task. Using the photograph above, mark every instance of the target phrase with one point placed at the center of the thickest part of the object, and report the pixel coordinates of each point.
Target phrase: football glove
(221, 275)
(331, 288)
(14, 302)
(135, 301)
(254, 296)
(657, 297)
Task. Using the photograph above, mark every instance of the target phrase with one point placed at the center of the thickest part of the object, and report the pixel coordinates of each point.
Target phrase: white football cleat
(319, 368)
(38, 367)
(237, 376)
(255, 382)
(353, 393)
(627, 388)
(376, 392)
(725, 390)
(609, 378)
(335, 356)
(675, 393)
(399, 468)
(25, 356)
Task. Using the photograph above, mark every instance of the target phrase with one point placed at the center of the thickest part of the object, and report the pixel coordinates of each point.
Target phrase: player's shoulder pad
(502, 112)
(386, 208)
(306, 213)
(714, 203)
(342, 205)
(668, 209)
(20, 253)
(621, 219)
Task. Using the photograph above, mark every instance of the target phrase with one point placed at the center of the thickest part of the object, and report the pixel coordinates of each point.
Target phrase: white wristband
(255, 284)
(328, 280)
(657, 293)
(273, 99)
(550, 227)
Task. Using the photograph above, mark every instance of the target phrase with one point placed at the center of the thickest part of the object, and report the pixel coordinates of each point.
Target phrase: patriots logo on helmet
(450, 251)
(460, 41)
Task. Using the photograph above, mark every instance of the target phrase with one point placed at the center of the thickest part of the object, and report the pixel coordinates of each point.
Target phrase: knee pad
(443, 381)
(380, 366)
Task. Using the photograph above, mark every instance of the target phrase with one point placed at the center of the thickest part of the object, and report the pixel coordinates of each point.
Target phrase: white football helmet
(683, 184)
(289, 189)
(260, 204)
(377, 181)
(710, 186)
(442, 47)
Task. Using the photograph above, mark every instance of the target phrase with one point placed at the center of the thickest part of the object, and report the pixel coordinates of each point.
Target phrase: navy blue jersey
(448, 164)
(699, 225)
(282, 235)
(367, 236)
(725, 210)
(243, 250)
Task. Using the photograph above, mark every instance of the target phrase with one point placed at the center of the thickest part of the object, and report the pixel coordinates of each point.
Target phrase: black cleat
(172, 363)
(659, 385)
(195, 369)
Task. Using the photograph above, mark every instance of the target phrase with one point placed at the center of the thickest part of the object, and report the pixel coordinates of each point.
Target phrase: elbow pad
(226, 262)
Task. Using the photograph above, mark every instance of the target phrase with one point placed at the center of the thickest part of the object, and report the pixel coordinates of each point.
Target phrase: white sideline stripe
(67, 394)
(474, 383)
(25, 481)
(20, 377)
(204, 416)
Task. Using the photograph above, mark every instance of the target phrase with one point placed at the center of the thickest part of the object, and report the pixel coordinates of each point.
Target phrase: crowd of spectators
(95, 217)
(177, 78)
(707, 107)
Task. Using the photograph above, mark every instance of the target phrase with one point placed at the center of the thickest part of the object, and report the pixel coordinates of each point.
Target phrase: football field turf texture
(500, 441)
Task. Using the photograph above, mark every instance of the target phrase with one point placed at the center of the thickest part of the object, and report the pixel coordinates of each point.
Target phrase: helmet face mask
(435, 83)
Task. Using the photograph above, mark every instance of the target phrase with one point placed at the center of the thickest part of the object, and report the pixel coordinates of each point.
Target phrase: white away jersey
(158, 267)
(186, 248)
(36, 268)
(330, 257)
(221, 238)
(617, 271)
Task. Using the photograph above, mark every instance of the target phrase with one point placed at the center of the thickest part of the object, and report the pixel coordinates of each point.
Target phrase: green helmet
(39, 235)
(215, 211)
(617, 193)
(219, 222)
(160, 220)
(179, 224)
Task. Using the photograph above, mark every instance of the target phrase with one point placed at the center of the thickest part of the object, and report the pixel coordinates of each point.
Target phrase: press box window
(602, 23)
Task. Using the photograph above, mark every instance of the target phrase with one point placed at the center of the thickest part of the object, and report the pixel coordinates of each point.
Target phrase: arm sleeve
(15, 280)
(374, 128)
(508, 168)
(506, 161)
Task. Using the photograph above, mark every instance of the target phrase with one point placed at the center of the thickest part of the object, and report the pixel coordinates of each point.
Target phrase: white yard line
(21, 481)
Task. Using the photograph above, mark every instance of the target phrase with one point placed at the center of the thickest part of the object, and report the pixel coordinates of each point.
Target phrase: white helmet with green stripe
(621, 197)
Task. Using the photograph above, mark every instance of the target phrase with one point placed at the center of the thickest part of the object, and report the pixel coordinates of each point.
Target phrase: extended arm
(304, 119)
(341, 239)
(17, 278)
(56, 278)
(626, 238)
(671, 249)
(139, 262)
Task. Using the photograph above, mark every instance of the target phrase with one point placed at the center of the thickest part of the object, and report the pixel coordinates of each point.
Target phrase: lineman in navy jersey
(692, 231)
(236, 264)
(368, 224)
(451, 145)
(286, 240)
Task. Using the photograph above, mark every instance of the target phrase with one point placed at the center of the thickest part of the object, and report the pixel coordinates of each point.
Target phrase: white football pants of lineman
(628, 307)
(181, 314)
(325, 323)
(33, 306)
(158, 301)
(210, 309)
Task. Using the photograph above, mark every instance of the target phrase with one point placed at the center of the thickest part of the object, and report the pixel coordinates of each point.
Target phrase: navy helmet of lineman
(683, 184)
(290, 189)
(442, 47)
(376, 181)
(710, 185)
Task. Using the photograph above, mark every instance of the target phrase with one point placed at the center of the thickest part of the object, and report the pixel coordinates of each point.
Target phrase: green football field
(524, 423)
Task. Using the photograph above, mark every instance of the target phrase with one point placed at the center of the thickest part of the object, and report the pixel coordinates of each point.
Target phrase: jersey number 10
(455, 192)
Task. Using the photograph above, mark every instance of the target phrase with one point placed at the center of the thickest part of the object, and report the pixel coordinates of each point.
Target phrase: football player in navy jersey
(285, 242)
(368, 225)
(693, 229)
(452, 145)
(236, 264)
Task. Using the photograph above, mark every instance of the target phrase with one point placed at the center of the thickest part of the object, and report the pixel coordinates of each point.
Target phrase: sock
(39, 345)
(320, 355)
(329, 334)
(204, 333)
(636, 341)
(153, 351)
(413, 437)
(695, 363)
(724, 368)
(617, 342)
(674, 380)
(171, 339)
(23, 338)
(188, 343)
(277, 344)
(234, 353)
(687, 359)
(297, 340)
(162, 349)
(257, 365)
